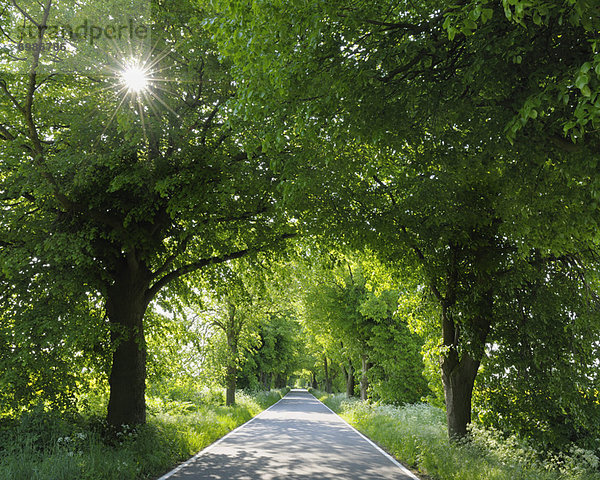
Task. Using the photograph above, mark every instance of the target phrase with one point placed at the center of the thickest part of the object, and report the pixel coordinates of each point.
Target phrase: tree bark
(364, 381)
(458, 378)
(231, 374)
(458, 374)
(126, 303)
(232, 328)
(280, 380)
(327, 377)
(231, 380)
(265, 380)
(350, 380)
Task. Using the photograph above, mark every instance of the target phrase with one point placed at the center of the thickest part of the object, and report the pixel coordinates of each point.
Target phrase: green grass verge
(417, 436)
(44, 446)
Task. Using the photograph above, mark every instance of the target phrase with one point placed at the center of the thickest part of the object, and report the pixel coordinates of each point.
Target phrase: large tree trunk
(126, 304)
(350, 380)
(458, 374)
(327, 377)
(230, 382)
(231, 374)
(364, 381)
(458, 378)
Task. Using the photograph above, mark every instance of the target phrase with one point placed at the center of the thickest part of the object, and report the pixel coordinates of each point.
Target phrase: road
(297, 438)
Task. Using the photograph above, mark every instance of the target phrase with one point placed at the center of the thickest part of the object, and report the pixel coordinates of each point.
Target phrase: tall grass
(417, 436)
(43, 446)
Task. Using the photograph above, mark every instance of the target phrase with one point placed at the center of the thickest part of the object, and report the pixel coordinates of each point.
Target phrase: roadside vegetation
(43, 445)
(417, 436)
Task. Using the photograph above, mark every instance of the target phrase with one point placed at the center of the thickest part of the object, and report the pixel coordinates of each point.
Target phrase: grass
(44, 446)
(417, 436)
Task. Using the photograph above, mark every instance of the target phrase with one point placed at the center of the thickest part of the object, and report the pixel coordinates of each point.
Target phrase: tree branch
(5, 133)
(11, 97)
(411, 27)
(565, 145)
(26, 15)
(208, 122)
(205, 262)
(169, 261)
(27, 110)
(387, 188)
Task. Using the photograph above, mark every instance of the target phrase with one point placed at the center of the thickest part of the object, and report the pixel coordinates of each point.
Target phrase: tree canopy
(436, 163)
(437, 135)
(124, 192)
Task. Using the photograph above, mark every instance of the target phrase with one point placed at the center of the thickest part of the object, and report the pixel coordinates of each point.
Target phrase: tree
(543, 383)
(231, 325)
(396, 373)
(277, 356)
(126, 193)
(348, 303)
(237, 301)
(371, 65)
(437, 135)
(446, 214)
(47, 343)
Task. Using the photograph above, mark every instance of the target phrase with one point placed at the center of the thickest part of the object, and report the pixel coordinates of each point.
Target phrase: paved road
(298, 438)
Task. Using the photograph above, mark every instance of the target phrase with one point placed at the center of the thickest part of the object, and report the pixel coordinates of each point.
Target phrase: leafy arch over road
(436, 134)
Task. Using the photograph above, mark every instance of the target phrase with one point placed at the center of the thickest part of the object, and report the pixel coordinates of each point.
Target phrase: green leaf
(486, 14)
(475, 13)
(582, 80)
(586, 91)
(470, 24)
(585, 67)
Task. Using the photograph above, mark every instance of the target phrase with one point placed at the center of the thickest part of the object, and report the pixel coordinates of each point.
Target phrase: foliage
(360, 69)
(276, 357)
(243, 328)
(453, 144)
(43, 446)
(434, 132)
(52, 346)
(121, 194)
(416, 434)
(552, 400)
(349, 302)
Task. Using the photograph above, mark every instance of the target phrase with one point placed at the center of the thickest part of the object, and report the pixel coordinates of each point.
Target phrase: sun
(135, 78)
(137, 84)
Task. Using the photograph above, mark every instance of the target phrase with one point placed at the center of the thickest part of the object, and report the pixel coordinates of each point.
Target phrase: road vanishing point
(297, 438)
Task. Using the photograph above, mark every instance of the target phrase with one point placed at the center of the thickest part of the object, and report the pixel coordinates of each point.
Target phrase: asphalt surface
(297, 438)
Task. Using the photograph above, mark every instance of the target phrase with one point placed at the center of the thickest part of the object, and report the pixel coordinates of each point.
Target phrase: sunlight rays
(138, 82)
(135, 78)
